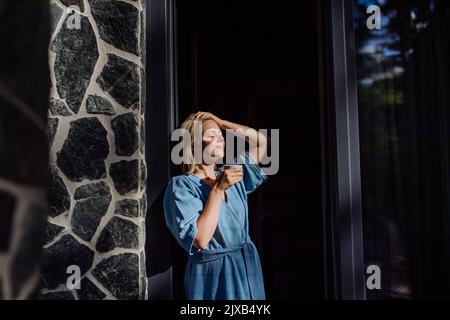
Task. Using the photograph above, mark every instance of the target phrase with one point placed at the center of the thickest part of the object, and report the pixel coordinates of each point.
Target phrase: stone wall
(24, 90)
(97, 179)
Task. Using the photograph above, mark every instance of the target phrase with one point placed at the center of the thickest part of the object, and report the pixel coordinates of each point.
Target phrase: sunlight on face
(213, 140)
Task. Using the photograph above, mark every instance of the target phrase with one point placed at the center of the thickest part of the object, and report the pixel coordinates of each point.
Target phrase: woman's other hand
(229, 177)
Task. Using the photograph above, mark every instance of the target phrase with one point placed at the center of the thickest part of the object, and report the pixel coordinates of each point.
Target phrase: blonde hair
(189, 164)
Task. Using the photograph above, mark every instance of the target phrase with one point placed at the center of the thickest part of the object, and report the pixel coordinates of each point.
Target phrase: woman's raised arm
(257, 141)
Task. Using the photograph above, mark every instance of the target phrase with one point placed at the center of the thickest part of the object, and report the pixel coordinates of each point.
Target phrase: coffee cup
(231, 166)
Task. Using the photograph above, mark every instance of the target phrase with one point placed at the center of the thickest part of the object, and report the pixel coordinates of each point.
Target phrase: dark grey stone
(56, 13)
(58, 295)
(125, 176)
(117, 23)
(78, 3)
(143, 277)
(125, 133)
(59, 108)
(89, 291)
(127, 207)
(93, 190)
(142, 137)
(76, 56)
(52, 232)
(120, 78)
(99, 105)
(56, 258)
(120, 275)
(84, 151)
(93, 203)
(7, 207)
(118, 233)
(51, 129)
(58, 197)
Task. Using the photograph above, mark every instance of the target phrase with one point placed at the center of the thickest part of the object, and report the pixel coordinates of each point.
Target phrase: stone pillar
(97, 166)
(24, 91)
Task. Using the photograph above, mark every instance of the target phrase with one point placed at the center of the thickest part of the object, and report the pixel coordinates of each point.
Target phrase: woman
(207, 213)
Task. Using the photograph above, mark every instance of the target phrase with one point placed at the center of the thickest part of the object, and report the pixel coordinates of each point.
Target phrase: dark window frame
(342, 209)
(344, 275)
(160, 120)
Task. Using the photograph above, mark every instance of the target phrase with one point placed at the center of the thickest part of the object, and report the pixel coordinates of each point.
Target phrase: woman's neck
(205, 171)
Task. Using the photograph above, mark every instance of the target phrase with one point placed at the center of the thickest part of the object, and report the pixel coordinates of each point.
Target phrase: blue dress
(229, 269)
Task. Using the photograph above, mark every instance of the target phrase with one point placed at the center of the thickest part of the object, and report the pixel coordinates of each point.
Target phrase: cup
(230, 166)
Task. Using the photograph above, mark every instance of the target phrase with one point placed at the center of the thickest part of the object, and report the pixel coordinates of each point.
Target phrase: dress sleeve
(254, 176)
(181, 210)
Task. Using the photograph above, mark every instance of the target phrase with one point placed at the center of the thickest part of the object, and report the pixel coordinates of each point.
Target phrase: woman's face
(213, 141)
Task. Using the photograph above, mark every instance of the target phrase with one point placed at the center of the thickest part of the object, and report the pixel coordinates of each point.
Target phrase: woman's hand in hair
(215, 118)
(257, 140)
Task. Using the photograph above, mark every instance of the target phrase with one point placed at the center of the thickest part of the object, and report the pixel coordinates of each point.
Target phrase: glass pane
(403, 84)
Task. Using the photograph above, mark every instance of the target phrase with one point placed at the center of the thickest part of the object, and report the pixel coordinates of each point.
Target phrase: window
(404, 116)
